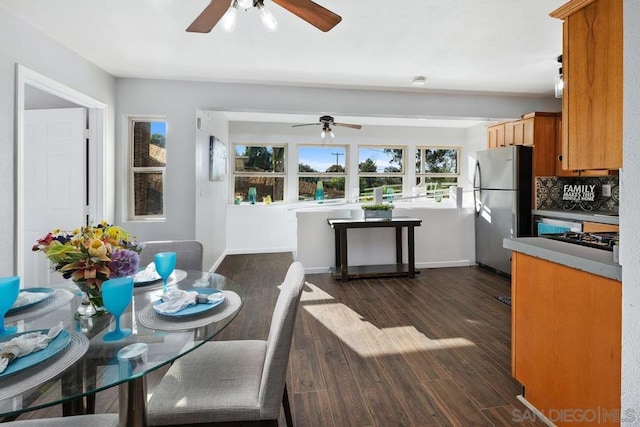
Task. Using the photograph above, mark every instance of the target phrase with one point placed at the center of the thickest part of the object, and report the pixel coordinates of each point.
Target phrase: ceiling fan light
(268, 20)
(245, 4)
(228, 20)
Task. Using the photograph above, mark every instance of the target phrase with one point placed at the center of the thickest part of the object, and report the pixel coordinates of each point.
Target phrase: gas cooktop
(603, 240)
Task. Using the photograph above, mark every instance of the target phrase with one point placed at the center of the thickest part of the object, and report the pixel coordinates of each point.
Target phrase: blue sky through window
(321, 158)
(159, 127)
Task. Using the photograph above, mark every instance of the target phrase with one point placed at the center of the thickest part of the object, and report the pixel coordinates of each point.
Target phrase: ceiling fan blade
(306, 124)
(316, 15)
(209, 17)
(347, 125)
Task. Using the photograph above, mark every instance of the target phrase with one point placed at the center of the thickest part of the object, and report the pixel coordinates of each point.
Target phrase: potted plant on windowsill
(377, 210)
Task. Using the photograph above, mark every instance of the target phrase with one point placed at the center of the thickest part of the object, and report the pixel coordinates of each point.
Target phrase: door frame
(97, 129)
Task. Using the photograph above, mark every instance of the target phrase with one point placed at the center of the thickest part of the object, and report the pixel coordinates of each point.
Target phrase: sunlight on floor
(365, 338)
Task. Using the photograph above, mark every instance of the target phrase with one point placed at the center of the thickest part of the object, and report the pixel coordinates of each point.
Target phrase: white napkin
(25, 298)
(175, 300)
(149, 274)
(26, 344)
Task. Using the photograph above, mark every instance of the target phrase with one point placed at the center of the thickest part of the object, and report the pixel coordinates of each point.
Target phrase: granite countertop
(591, 260)
(580, 216)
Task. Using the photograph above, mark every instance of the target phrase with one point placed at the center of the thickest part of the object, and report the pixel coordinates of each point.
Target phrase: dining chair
(233, 382)
(189, 253)
(101, 420)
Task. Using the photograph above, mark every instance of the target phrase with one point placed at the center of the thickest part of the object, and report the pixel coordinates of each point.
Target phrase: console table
(344, 272)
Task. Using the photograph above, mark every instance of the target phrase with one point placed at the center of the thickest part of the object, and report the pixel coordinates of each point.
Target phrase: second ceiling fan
(327, 122)
(313, 13)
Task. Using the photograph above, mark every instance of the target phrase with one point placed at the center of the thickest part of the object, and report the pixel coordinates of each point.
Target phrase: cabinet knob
(560, 158)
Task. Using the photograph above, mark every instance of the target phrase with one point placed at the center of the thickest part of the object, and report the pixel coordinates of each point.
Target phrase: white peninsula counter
(445, 238)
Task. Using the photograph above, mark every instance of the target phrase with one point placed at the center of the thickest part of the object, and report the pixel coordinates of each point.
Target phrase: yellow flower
(97, 248)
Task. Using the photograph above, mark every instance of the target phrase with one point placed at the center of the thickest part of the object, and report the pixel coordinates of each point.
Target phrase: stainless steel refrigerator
(502, 197)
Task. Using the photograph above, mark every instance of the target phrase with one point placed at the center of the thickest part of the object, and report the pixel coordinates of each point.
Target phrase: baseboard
(316, 270)
(539, 415)
(445, 264)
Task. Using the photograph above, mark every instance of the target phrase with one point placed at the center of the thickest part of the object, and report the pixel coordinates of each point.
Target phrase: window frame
(322, 175)
(131, 120)
(235, 174)
(421, 175)
(403, 174)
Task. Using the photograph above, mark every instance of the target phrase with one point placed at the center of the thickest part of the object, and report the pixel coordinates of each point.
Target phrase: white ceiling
(490, 46)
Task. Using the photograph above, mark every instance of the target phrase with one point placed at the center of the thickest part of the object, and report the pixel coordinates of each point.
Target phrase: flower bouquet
(90, 255)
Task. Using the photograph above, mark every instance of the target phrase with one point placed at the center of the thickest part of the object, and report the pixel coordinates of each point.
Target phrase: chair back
(279, 342)
(188, 253)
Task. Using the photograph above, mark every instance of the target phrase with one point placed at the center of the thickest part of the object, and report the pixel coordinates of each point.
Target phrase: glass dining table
(79, 362)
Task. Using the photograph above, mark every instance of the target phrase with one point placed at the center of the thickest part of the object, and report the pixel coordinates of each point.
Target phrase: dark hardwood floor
(434, 350)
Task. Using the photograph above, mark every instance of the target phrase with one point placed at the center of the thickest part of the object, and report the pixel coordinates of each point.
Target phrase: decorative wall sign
(584, 194)
(217, 159)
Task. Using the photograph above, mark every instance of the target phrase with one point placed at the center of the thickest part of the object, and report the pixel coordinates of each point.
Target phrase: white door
(55, 182)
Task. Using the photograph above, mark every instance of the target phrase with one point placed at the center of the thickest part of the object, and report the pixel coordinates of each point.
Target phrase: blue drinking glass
(9, 289)
(116, 296)
(165, 264)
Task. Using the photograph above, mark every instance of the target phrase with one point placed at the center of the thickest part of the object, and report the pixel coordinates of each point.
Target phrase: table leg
(412, 252)
(132, 397)
(337, 248)
(71, 384)
(344, 268)
(398, 245)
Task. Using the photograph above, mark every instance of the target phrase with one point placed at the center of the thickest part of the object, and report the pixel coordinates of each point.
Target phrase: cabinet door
(559, 170)
(592, 97)
(509, 136)
(495, 136)
(500, 135)
(517, 132)
(528, 131)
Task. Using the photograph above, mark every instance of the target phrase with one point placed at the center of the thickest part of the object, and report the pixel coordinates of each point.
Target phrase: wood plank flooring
(434, 350)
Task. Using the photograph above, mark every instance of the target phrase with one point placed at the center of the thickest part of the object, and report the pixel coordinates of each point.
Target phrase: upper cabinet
(592, 95)
(495, 136)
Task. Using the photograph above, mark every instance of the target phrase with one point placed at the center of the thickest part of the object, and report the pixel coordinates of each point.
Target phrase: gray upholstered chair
(188, 253)
(229, 382)
(101, 420)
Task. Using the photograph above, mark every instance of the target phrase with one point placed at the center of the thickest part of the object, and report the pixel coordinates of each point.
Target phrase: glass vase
(91, 305)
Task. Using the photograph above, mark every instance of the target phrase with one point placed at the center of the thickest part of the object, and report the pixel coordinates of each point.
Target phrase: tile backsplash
(583, 194)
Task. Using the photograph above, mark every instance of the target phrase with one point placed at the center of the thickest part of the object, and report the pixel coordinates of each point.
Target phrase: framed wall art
(217, 159)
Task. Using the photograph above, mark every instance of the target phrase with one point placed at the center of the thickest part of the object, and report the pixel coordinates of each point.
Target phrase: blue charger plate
(47, 291)
(55, 346)
(192, 310)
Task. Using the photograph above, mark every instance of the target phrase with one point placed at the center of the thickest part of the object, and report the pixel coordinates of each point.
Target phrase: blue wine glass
(116, 296)
(165, 264)
(9, 289)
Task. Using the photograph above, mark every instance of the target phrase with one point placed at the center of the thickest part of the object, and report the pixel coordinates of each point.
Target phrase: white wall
(629, 208)
(23, 44)
(210, 195)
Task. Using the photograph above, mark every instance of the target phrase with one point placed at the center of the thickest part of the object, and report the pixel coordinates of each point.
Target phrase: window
(380, 167)
(261, 167)
(147, 139)
(325, 164)
(437, 168)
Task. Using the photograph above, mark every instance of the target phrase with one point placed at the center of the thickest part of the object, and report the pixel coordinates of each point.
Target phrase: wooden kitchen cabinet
(566, 337)
(564, 172)
(495, 136)
(592, 95)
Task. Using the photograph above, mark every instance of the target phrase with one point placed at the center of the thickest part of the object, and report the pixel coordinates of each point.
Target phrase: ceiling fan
(313, 13)
(327, 122)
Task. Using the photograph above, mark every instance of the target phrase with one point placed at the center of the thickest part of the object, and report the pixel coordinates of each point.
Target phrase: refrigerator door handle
(477, 189)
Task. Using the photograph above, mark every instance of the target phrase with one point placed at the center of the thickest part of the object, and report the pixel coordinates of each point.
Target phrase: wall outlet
(606, 190)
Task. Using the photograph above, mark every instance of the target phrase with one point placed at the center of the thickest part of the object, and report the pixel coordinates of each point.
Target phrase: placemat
(152, 320)
(55, 301)
(50, 368)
